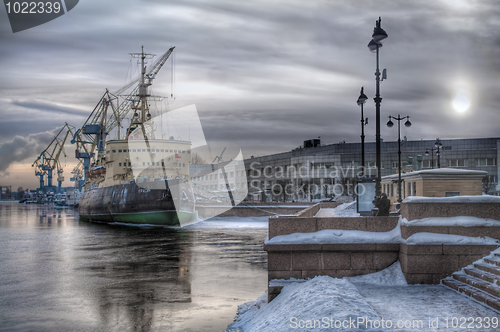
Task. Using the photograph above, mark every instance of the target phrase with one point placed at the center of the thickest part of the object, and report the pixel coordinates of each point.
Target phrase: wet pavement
(60, 274)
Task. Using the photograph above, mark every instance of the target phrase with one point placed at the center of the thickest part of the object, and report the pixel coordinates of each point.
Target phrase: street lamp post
(361, 101)
(407, 124)
(438, 146)
(432, 155)
(378, 37)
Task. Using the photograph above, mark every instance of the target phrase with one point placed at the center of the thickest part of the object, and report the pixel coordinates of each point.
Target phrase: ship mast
(141, 106)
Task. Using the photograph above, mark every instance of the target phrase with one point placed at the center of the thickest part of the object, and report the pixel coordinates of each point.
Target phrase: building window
(143, 163)
(119, 164)
(486, 162)
(392, 190)
(409, 191)
(394, 164)
(414, 193)
(452, 193)
(456, 162)
(114, 151)
(428, 164)
(349, 164)
(133, 150)
(119, 151)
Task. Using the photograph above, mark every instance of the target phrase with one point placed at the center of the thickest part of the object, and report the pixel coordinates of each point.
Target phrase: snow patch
(463, 221)
(314, 299)
(449, 239)
(329, 236)
(231, 222)
(391, 276)
(455, 199)
(343, 210)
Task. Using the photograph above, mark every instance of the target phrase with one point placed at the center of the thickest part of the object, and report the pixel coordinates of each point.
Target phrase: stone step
(488, 268)
(478, 283)
(486, 276)
(493, 261)
(473, 292)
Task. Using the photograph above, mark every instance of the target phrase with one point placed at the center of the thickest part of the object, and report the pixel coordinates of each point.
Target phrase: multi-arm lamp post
(361, 101)
(432, 155)
(407, 124)
(437, 148)
(378, 37)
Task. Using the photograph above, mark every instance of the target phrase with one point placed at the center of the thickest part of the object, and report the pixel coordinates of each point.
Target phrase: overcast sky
(266, 75)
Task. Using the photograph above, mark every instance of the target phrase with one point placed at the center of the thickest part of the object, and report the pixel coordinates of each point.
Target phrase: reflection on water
(59, 273)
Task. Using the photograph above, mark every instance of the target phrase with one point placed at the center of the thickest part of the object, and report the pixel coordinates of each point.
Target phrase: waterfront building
(316, 172)
(437, 182)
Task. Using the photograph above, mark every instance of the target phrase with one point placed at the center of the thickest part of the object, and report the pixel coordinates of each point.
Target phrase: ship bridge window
(119, 151)
(149, 150)
(189, 151)
(133, 150)
(143, 163)
(119, 164)
(183, 151)
(143, 150)
(114, 151)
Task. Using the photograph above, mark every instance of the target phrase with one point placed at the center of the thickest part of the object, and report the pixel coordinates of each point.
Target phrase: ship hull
(147, 203)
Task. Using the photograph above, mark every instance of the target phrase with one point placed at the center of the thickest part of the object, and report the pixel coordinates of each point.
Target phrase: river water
(60, 274)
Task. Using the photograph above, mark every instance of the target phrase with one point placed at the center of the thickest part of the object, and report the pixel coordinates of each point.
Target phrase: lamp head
(408, 123)
(373, 46)
(390, 123)
(362, 97)
(438, 143)
(427, 152)
(379, 35)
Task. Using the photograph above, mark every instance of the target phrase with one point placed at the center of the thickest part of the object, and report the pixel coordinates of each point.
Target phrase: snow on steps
(480, 281)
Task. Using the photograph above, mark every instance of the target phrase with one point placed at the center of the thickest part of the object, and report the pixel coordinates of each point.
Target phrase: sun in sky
(461, 103)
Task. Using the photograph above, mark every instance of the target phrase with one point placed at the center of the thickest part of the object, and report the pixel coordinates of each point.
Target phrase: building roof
(439, 172)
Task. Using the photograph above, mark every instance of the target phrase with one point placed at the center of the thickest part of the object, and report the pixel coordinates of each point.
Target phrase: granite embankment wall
(421, 263)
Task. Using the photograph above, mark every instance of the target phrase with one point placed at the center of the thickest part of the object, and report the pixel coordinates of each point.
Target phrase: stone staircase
(481, 281)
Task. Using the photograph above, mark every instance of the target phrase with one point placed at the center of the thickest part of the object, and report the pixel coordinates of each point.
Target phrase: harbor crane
(48, 160)
(113, 108)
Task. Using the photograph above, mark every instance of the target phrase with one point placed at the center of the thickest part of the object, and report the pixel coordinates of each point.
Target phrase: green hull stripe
(168, 218)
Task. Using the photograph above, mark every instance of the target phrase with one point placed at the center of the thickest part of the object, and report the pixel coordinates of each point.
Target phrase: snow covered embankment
(323, 300)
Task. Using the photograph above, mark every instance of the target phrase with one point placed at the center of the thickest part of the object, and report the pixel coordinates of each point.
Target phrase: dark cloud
(265, 74)
(20, 148)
